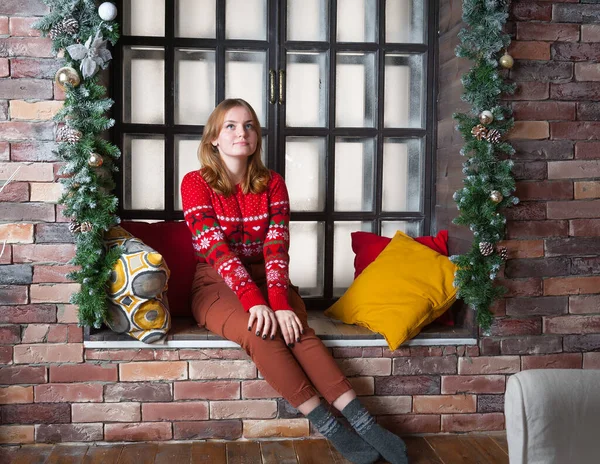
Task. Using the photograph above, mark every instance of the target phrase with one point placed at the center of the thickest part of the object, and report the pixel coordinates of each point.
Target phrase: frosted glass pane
(306, 89)
(246, 77)
(404, 21)
(305, 164)
(186, 160)
(402, 175)
(143, 85)
(144, 17)
(307, 242)
(355, 90)
(196, 18)
(412, 228)
(343, 256)
(356, 21)
(404, 87)
(195, 86)
(144, 172)
(246, 19)
(308, 20)
(354, 168)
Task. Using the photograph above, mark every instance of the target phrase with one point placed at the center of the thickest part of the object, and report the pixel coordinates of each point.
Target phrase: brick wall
(55, 390)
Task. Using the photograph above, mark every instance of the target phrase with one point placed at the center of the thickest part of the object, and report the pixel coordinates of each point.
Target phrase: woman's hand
(266, 323)
(290, 326)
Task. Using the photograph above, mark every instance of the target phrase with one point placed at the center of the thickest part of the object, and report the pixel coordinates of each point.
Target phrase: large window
(343, 90)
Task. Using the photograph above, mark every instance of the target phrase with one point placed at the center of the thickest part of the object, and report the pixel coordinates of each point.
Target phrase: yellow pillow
(405, 288)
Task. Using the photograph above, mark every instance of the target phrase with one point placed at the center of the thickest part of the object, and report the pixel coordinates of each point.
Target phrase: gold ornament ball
(496, 196)
(67, 75)
(486, 117)
(95, 160)
(506, 61)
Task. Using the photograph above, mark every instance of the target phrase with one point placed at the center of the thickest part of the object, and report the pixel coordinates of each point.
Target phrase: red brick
(562, 51)
(590, 33)
(590, 342)
(106, 412)
(535, 229)
(363, 386)
(550, 32)
(454, 384)
(15, 434)
(21, 27)
(573, 209)
(58, 433)
(30, 46)
(282, 428)
(407, 385)
(154, 370)
(5, 356)
(32, 172)
(586, 190)
(591, 360)
(399, 352)
(16, 192)
(529, 91)
(541, 110)
(509, 326)
(74, 333)
(458, 423)
(587, 150)
(444, 404)
(10, 334)
(33, 151)
(22, 375)
(27, 212)
(571, 285)
(529, 130)
(27, 314)
(575, 130)
(531, 50)
(540, 344)
(157, 431)
(489, 365)
(16, 233)
(572, 324)
(35, 333)
(573, 169)
(205, 430)
(36, 413)
(524, 248)
(258, 389)
(27, 130)
(185, 411)
(245, 409)
(4, 29)
(516, 288)
(547, 190)
(47, 353)
(420, 366)
(16, 394)
(68, 393)
(527, 210)
(119, 355)
(383, 405)
(83, 373)
(142, 392)
(572, 246)
(423, 351)
(584, 304)
(207, 370)
(52, 293)
(527, 11)
(530, 170)
(542, 267)
(211, 390)
(13, 294)
(411, 423)
(66, 313)
(4, 146)
(206, 354)
(365, 366)
(4, 71)
(553, 361)
(58, 253)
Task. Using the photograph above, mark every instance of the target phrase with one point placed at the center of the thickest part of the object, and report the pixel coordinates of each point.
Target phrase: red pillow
(173, 240)
(367, 246)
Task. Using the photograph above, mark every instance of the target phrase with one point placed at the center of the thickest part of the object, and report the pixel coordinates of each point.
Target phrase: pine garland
(87, 187)
(488, 183)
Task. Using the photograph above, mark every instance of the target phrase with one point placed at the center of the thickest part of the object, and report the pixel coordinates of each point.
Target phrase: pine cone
(86, 227)
(56, 30)
(74, 226)
(70, 25)
(493, 136)
(479, 131)
(68, 134)
(503, 252)
(486, 248)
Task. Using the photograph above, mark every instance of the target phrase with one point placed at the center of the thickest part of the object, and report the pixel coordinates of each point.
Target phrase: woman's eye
(249, 126)
(229, 126)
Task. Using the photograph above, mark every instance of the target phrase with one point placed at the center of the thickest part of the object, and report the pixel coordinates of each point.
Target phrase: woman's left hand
(290, 326)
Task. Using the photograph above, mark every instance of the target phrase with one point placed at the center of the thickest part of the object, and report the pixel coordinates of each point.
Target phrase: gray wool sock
(345, 441)
(390, 446)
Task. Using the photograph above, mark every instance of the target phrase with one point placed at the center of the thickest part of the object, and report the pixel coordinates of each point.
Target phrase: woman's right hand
(266, 323)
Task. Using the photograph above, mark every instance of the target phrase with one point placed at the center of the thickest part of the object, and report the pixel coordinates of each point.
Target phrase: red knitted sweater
(241, 228)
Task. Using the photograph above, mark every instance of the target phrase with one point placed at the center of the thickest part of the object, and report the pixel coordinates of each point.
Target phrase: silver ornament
(107, 11)
(496, 196)
(93, 55)
(486, 117)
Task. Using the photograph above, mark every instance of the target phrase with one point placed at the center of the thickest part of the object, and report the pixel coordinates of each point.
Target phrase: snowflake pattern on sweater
(228, 232)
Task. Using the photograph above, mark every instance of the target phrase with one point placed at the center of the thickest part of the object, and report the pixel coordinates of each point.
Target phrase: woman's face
(237, 137)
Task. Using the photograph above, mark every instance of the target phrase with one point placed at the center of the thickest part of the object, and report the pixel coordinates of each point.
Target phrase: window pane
(305, 172)
(144, 17)
(194, 86)
(246, 19)
(354, 167)
(404, 21)
(404, 90)
(143, 85)
(186, 160)
(412, 228)
(144, 172)
(355, 90)
(343, 256)
(308, 20)
(306, 89)
(306, 257)
(246, 77)
(356, 21)
(196, 18)
(402, 174)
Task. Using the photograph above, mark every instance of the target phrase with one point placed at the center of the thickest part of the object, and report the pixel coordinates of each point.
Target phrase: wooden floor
(439, 449)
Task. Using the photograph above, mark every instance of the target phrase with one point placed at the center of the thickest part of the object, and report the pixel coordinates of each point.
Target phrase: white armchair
(553, 416)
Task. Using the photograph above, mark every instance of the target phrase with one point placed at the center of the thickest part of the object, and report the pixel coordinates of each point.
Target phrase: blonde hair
(213, 170)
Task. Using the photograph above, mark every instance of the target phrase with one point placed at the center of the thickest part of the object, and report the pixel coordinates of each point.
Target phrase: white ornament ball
(107, 11)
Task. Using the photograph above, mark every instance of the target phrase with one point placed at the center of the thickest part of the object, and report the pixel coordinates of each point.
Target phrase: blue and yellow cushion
(137, 289)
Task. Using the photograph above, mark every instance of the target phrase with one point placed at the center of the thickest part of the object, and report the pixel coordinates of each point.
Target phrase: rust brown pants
(290, 371)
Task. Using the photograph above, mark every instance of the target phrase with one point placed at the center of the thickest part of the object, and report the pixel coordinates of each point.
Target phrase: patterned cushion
(137, 289)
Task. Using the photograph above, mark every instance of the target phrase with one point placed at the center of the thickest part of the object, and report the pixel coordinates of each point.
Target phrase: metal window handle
(272, 100)
(281, 84)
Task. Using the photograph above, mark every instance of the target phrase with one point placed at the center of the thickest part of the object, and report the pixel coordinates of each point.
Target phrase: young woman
(238, 212)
